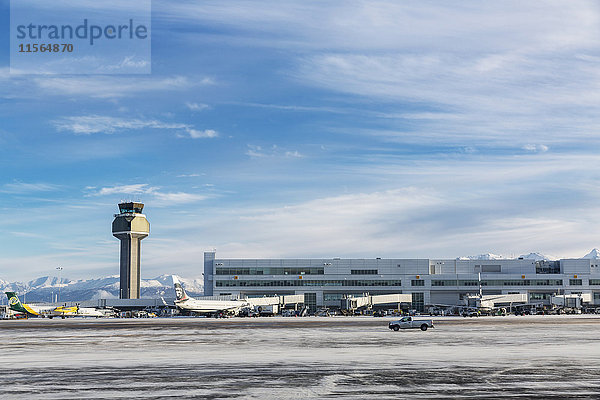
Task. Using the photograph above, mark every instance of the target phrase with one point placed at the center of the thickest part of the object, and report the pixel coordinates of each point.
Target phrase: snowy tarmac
(548, 357)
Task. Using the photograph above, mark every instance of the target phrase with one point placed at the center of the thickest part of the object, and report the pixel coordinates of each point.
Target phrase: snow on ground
(299, 358)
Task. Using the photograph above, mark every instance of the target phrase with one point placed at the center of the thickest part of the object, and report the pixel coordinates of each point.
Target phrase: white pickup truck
(410, 323)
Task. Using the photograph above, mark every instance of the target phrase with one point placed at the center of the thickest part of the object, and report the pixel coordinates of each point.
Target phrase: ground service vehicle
(410, 323)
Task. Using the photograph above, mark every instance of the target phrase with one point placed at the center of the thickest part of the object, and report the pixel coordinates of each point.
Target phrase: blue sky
(312, 129)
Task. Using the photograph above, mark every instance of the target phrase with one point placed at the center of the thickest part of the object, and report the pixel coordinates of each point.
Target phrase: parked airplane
(212, 307)
(76, 311)
(16, 305)
(49, 311)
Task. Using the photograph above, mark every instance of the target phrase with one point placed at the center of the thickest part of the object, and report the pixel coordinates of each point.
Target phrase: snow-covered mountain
(537, 257)
(44, 288)
(486, 256)
(594, 254)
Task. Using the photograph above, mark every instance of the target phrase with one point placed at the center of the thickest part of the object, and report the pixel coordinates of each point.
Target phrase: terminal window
(270, 271)
(417, 282)
(547, 267)
(306, 282)
(418, 301)
(447, 282)
(540, 296)
(363, 272)
(310, 301)
(575, 282)
(491, 268)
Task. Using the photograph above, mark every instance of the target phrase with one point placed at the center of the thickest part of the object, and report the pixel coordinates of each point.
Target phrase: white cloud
(503, 72)
(178, 198)
(536, 148)
(153, 194)
(295, 107)
(28, 235)
(484, 203)
(113, 86)
(387, 25)
(89, 124)
(197, 106)
(23, 187)
(200, 134)
(400, 223)
(126, 64)
(136, 189)
(531, 98)
(293, 154)
(255, 151)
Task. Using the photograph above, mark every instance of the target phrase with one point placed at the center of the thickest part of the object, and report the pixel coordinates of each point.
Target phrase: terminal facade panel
(324, 282)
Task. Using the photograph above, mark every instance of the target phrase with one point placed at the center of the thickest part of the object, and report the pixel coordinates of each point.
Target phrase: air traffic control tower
(130, 227)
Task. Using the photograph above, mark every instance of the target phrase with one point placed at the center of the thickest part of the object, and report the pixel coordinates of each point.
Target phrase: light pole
(59, 281)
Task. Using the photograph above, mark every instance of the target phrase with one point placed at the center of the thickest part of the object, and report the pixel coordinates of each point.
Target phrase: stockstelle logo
(80, 37)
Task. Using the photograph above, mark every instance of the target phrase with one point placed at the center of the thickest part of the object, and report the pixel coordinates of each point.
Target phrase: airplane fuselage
(210, 306)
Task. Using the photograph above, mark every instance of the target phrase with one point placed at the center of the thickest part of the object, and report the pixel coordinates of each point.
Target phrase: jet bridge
(571, 300)
(275, 300)
(368, 301)
(495, 300)
(491, 301)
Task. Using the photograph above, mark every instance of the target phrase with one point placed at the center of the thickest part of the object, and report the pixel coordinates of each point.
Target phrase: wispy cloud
(155, 196)
(536, 148)
(114, 86)
(293, 154)
(388, 25)
(89, 124)
(467, 127)
(23, 187)
(28, 235)
(135, 189)
(178, 198)
(200, 134)
(255, 151)
(197, 106)
(483, 216)
(498, 73)
(291, 107)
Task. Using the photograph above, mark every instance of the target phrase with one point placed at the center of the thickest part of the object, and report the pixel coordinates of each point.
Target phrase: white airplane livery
(184, 302)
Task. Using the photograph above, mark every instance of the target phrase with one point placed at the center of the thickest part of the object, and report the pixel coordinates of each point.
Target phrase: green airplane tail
(15, 303)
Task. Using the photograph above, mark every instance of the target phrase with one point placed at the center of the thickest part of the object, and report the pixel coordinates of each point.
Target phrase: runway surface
(548, 357)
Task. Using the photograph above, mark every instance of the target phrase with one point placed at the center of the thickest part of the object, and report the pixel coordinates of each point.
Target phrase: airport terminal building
(324, 282)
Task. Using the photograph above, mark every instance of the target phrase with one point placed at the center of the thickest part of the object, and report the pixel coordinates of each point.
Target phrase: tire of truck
(424, 327)
(396, 328)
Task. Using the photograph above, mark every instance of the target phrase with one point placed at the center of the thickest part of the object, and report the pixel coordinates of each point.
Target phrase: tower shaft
(130, 227)
(130, 263)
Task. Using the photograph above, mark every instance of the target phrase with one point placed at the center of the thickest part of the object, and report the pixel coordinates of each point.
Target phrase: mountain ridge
(46, 288)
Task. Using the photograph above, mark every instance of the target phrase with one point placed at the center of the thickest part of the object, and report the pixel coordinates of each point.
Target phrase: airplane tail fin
(179, 291)
(14, 302)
